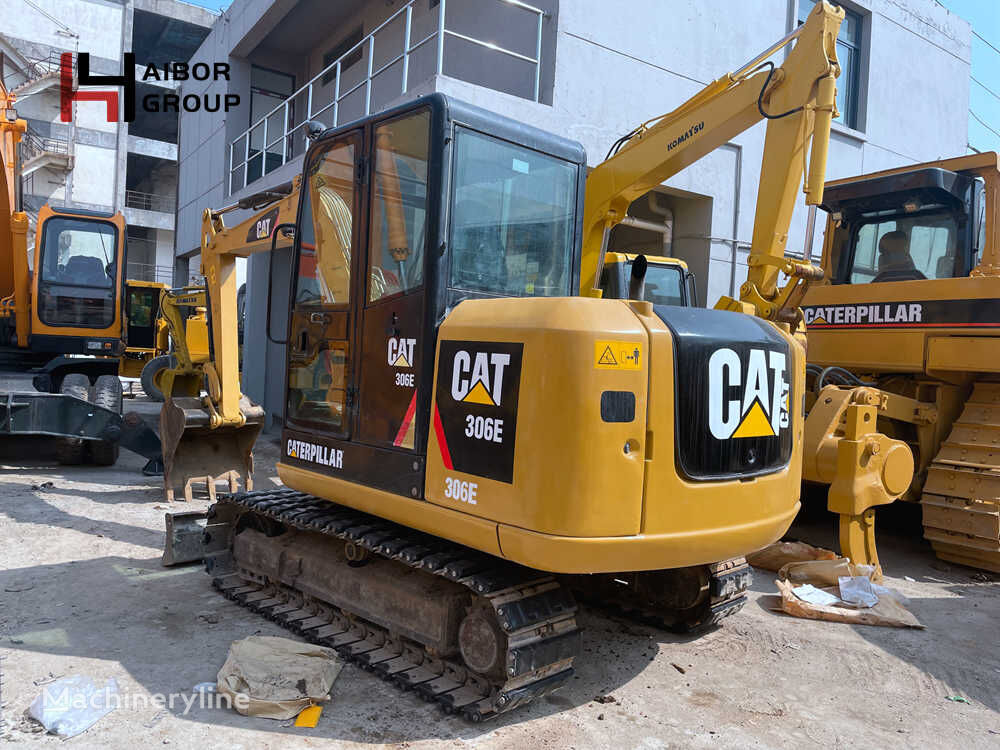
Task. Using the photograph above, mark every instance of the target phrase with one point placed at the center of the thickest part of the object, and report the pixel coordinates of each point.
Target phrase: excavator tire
(70, 451)
(108, 394)
(961, 497)
(150, 370)
(475, 634)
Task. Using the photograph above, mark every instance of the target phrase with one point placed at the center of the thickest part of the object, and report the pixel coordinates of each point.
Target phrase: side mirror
(287, 230)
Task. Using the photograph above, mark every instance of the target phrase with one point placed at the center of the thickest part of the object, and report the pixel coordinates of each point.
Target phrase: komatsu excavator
(471, 431)
(906, 324)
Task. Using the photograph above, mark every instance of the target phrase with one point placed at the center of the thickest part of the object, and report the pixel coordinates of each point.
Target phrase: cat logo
(262, 228)
(747, 399)
(400, 352)
(477, 378)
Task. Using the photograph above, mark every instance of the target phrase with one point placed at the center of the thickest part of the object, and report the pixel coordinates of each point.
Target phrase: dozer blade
(193, 452)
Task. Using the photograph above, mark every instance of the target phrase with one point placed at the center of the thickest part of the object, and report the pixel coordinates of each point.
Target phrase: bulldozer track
(961, 497)
(536, 613)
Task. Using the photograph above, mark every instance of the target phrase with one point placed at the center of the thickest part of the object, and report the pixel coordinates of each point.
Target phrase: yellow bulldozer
(472, 432)
(907, 319)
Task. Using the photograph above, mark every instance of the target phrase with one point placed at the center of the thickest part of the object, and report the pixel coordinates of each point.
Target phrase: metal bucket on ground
(194, 452)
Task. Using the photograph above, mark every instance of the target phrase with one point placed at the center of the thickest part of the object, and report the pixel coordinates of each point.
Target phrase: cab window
(511, 219)
(399, 206)
(664, 285)
(76, 282)
(907, 248)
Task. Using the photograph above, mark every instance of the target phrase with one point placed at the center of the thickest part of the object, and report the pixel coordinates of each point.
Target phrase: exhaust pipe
(637, 280)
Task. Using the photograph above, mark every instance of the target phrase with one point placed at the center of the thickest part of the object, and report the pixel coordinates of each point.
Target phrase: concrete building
(89, 162)
(580, 68)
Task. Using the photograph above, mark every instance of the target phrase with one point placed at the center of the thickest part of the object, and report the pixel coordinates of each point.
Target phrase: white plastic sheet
(73, 704)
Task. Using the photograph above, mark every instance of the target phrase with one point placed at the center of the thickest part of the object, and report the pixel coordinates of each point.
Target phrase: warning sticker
(617, 355)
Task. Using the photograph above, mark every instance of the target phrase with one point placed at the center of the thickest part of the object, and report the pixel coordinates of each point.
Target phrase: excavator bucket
(194, 452)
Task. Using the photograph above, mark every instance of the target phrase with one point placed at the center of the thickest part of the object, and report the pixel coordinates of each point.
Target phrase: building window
(849, 54)
(268, 89)
(330, 57)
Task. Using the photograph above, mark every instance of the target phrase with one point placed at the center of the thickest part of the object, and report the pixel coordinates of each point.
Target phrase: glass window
(324, 276)
(268, 89)
(849, 55)
(317, 385)
(664, 285)
(76, 285)
(399, 206)
(511, 219)
(907, 248)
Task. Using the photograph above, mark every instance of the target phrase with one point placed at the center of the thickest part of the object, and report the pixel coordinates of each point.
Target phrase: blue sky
(211, 4)
(985, 20)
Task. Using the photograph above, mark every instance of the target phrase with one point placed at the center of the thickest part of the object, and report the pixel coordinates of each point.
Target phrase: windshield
(76, 281)
(664, 284)
(511, 219)
(900, 247)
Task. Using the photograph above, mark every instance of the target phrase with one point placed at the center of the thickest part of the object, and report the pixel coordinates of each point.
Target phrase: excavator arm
(798, 101)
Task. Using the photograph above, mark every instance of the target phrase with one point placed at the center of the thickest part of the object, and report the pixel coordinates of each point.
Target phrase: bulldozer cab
(904, 228)
(909, 260)
(77, 282)
(402, 217)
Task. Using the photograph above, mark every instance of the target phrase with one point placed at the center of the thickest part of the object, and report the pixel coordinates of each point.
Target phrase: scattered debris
(73, 705)
(857, 590)
(838, 591)
(42, 486)
(157, 718)
(210, 617)
(678, 667)
(958, 699)
(205, 687)
(46, 680)
(775, 556)
(275, 678)
(911, 580)
(600, 717)
(607, 698)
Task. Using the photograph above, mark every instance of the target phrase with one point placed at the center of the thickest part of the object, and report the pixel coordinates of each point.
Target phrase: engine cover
(733, 391)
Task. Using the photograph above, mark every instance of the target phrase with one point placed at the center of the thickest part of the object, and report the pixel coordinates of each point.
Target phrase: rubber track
(536, 613)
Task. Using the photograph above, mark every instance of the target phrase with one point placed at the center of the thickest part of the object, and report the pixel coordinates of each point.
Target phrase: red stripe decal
(442, 443)
(406, 421)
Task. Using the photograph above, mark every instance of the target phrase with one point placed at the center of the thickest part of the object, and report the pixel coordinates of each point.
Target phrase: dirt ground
(82, 592)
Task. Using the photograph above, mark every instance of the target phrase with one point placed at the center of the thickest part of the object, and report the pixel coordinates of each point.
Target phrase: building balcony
(149, 210)
(504, 45)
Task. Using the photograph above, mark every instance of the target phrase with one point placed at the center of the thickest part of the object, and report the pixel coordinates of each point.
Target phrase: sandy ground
(82, 592)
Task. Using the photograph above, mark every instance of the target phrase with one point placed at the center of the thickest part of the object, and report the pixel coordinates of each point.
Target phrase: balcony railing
(270, 142)
(149, 201)
(33, 144)
(148, 271)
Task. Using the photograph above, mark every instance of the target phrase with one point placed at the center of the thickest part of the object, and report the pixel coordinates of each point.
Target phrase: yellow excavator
(471, 431)
(66, 299)
(906, 324)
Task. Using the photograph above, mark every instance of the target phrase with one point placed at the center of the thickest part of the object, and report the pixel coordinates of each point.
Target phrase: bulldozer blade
(194, 453)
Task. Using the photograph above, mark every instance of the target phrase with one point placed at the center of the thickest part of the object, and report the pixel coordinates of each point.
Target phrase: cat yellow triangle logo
(401, 361)
(819, 320)
(755, 423)
(479, 395)
(607, 357)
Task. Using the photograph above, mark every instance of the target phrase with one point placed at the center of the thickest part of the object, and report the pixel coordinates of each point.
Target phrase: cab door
(320, 352)
(392, 317)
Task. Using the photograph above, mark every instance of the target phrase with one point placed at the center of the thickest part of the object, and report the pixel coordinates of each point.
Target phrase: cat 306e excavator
(471, 431)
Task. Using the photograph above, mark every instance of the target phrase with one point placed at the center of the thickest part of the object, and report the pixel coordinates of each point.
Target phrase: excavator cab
(401, 219)
(77, 282)
(666, 281)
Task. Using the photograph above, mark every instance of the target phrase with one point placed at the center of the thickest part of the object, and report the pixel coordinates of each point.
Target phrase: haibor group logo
(161, 101)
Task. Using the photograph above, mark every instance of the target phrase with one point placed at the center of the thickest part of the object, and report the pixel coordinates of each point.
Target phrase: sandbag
(276, 678)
